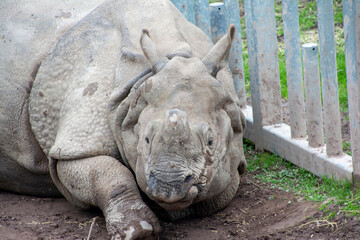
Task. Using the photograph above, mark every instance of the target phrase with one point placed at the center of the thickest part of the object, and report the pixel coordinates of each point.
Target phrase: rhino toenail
(129, 233)
(145, 225)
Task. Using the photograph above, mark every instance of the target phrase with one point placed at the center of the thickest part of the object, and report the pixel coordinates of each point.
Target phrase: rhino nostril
(188, 178)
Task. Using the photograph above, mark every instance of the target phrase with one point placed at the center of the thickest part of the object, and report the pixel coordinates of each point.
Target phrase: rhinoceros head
(181, 130)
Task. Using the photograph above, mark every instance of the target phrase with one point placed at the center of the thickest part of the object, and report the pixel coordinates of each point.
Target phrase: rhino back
(68, 106)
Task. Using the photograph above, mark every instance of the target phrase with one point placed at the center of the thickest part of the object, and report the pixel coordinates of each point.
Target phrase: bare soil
(257, 212)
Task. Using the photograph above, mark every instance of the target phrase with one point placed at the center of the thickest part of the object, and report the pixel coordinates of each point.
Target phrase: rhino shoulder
(69, 99)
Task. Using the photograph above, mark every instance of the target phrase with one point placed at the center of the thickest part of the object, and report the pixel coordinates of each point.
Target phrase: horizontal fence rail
(301, 142)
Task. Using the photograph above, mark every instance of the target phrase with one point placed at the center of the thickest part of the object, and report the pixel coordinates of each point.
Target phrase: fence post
(356, 159)
(264, 67)
(253, 74)
(329, 78)
(267, 61)
(357, 28)
(263, 19)
(202, 15)
(236, 57)
(313, 95)
(350, 28)
(218, 21)
(186, 7)
(290, 16)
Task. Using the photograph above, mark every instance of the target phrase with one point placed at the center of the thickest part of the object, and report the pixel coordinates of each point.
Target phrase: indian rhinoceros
(115, 104)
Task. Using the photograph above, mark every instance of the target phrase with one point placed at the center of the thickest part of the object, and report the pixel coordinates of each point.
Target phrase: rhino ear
(218, 57)
(236, 116)
(157, 62)
(238, 124)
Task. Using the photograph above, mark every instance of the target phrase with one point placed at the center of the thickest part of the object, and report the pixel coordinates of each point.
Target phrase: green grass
(282, 72)
(307, 16)
(347, 148)
(282, 174)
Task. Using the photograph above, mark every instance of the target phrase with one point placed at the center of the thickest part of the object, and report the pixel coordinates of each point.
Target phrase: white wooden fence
(301, 142)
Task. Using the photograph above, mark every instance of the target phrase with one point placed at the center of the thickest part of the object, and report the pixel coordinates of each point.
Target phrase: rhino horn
(176, 126)
(152, 54)
(218, 57)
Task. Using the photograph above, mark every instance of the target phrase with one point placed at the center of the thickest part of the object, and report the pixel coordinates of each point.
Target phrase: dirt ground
(257, 212)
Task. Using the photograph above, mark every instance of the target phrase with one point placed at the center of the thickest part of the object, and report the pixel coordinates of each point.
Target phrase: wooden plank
(263, 66)
(357, 33)
(267, 61)
(329, 78)
(349, 15)
(218, 21)
(186, 7)
(202, 16)
(254, 77)
(236, 57)
(356, 158)
(290, 16)
(313, 95)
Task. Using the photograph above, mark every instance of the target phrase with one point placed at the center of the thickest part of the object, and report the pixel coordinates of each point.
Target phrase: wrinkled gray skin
(69, 125)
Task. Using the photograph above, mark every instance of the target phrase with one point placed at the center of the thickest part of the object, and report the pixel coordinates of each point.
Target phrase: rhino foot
(133, 223)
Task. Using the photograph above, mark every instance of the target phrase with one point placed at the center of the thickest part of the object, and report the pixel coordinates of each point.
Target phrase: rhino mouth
(173, 202)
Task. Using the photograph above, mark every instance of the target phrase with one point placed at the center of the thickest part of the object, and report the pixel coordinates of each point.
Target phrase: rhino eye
(210, 142)
(147, 140)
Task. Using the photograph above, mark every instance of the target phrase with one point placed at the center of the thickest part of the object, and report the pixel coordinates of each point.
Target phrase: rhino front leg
(104, 182)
